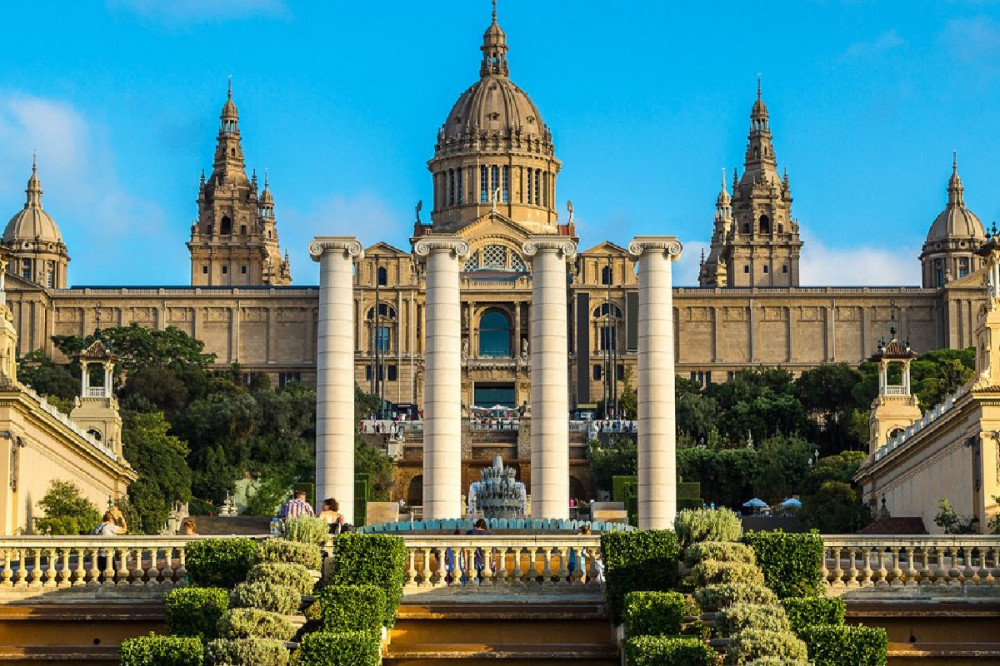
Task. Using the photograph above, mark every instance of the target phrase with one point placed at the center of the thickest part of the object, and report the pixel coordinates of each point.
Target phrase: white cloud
(887, 41)
(200, 11)
(973, 40)
(858, 266)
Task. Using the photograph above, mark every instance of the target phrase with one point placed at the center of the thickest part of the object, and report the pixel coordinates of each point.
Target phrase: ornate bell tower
(96, 410)
(895, 407)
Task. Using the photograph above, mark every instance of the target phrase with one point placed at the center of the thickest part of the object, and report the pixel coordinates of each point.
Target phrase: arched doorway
(415, 493)
(494, 334)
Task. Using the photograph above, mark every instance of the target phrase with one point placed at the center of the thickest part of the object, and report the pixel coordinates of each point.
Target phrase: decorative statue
(569, 207)
(465, 348)
(524, 347)
(420, 205)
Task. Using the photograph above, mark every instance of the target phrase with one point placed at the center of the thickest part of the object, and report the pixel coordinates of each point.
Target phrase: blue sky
(647, 102)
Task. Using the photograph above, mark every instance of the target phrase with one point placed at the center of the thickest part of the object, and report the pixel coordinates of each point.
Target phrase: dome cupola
(950, 249)
(38, 252)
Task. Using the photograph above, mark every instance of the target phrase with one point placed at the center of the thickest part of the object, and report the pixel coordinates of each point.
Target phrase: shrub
(751, 644)
(307, 529)
(349, 648)
(673, 650)
(255, 623)
(66, 510)
(807, 611)
(653, 613)
(740, 616)
(291, 552)
(266, 596)
(641, 560)
(247, 652)
(195, 611)
(156, 650)
(792, 563)
(776, 661)
(723, 551)
(290, 575)
(352, 607)
(711, 572)
(831, 645)
(716, 597)
(696, 525)
(220, 562)
(371, 559)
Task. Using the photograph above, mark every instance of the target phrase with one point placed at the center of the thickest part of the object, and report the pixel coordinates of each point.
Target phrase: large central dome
(494, 148)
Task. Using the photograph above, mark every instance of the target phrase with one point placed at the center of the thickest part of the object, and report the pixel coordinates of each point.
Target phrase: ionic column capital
(668, 245)
(425, 245)
(564, 246)
(348, 245)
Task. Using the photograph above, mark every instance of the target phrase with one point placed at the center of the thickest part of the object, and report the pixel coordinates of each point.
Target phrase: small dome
(956, 221)
(32, 224)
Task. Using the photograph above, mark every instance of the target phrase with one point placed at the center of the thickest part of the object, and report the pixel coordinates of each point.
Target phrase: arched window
(96, 434)
(602, 311)
(606, 275)
(385, 311)
(494, 334)
(243, 229)
(226, 226)
(383, 276)
(765, 224)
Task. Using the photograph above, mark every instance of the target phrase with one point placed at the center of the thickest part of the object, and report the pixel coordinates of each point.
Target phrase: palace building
(494, 172)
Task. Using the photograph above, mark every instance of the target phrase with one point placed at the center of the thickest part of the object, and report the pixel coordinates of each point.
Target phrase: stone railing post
(335, 370)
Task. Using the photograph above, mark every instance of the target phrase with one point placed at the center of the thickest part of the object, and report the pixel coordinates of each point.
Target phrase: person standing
(479, 560)
(107, 528)
(331, 514)
(296, 507)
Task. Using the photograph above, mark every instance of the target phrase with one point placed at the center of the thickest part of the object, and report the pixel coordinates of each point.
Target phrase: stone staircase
(470, 634)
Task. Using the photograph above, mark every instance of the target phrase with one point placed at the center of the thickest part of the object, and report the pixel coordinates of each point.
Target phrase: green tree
(695, 412)
(827, 392)
(616, 458)
(159, 458)
(373, 461)
(140, 347)
(47, 378)
(760, 403)
(831, 501)
(67, 511)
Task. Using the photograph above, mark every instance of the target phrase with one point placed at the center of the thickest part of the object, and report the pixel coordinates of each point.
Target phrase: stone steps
(77, 655)
(950, 654)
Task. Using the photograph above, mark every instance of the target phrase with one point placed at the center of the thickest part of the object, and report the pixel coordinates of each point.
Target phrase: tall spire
(956, 192)
(760, 160)
(494, 49)
(228, 162)
(34, 190)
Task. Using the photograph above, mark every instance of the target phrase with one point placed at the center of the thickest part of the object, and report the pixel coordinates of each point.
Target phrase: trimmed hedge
(266, 596)
(220, 562)
(654, 613)
(775, 661)
(352, 607)
(738, 617)
(371, 559)
(751, 644)
(247, 652)
(641, 560)
(195, 611)
(673, 650)
(255, 623)
(156, 650)
(723, 551)
(696, 525)
(291, 552)
(294, 576)
(307, 529)
(713, 572)
(716, 597)
(792, 563)
(832, 645)
(349, 648)
(807, 611)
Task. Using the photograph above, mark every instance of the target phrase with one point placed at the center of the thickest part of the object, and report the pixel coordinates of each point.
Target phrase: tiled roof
(900, 525)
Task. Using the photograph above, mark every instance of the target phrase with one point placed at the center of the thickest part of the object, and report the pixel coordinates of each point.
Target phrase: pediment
(382, 249)
(605, 248)
(494, 226)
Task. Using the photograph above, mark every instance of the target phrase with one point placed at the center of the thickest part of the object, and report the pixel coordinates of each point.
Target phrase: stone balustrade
(503, 563)
(967, 564)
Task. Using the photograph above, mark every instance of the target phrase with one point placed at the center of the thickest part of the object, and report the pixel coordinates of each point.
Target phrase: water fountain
(498, 494)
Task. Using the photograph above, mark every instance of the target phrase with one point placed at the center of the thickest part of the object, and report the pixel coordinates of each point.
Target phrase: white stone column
(549, 375)
(335, 370)
(657, 419)
(442, 375)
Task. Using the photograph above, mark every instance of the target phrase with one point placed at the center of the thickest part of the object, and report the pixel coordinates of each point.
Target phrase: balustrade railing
(855, 562)
(504, 562)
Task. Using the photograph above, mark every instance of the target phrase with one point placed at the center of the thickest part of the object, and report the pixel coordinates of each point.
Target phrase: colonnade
(442, 256)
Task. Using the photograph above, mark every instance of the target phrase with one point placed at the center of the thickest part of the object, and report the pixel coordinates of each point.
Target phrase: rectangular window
(597, 373)
(458, 185)
(545, 189)
(494, 179)
(746, 269)
(451, 187)
(531, 173)
(285, 377)
(225, 269)
(963, 267)
(538, 187)
(393, 373)
(506, 185)
(784, 269)
(382, 338)
(620, 372)
(484, 185)
(608, 338)
(204, 270)
(243, 269)
(765, 270)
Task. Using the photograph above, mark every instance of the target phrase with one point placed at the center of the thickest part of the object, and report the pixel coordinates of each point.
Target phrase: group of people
(299, 506)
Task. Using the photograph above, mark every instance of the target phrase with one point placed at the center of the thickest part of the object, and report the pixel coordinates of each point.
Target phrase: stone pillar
(657, 423)
(335, 370)
(442, 375)
(549, 375)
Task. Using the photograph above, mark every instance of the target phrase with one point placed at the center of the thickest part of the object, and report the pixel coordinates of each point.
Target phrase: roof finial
(494, 11)
(758, 85)
(954, 161)
(34, 161)
(723, 177)
(229, 94)
(267, 178)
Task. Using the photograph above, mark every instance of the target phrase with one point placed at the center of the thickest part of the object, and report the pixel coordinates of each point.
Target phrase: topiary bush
(156, 650)
(352, 607)
(247, 652)
(751, 644)
(807, 611)
(716, 597)
(740, 616)
(291, 552)
(695, 525)
(723, 551)
(673, 650)
(294, 576)
(195, 611)
(220, 562)
(254, 623)
(653, 613)
(266, 596)
(348, 648)
(792, 563)
(775, 661)
(371, 559)
(832, 645)
(307, 529)
(712, 572)
(641, 560)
